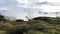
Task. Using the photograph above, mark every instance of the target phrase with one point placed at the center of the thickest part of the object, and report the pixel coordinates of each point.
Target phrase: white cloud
(22, 1)
(49, 0)
(2, 1)
(4, 8)
(14, 7)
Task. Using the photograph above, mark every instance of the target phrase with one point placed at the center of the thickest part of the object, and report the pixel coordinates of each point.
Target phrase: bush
(2, 32)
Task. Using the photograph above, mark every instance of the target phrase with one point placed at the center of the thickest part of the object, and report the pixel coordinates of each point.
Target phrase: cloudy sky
(22, 8)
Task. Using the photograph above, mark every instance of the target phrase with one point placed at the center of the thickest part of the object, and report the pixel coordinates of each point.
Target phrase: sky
(19, 9)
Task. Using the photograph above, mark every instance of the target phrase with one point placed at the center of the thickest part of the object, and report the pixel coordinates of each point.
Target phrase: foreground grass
(41, 26)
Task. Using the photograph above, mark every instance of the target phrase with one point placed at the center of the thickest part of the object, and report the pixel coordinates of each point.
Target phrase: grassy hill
(39, 25)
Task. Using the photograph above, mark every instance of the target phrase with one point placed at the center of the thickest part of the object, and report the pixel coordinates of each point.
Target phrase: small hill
(38, 25)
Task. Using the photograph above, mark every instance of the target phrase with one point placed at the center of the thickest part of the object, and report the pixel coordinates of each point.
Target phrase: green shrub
(2, 32)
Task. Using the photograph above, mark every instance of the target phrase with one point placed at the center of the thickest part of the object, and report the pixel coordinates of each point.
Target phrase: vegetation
(39, 25)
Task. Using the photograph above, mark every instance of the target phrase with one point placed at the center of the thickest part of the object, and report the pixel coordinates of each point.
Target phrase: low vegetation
(39, 25)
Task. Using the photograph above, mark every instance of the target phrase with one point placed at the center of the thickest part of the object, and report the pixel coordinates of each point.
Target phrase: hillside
(38, 25)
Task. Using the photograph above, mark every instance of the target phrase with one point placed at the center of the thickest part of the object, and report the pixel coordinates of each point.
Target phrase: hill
(38, 25)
